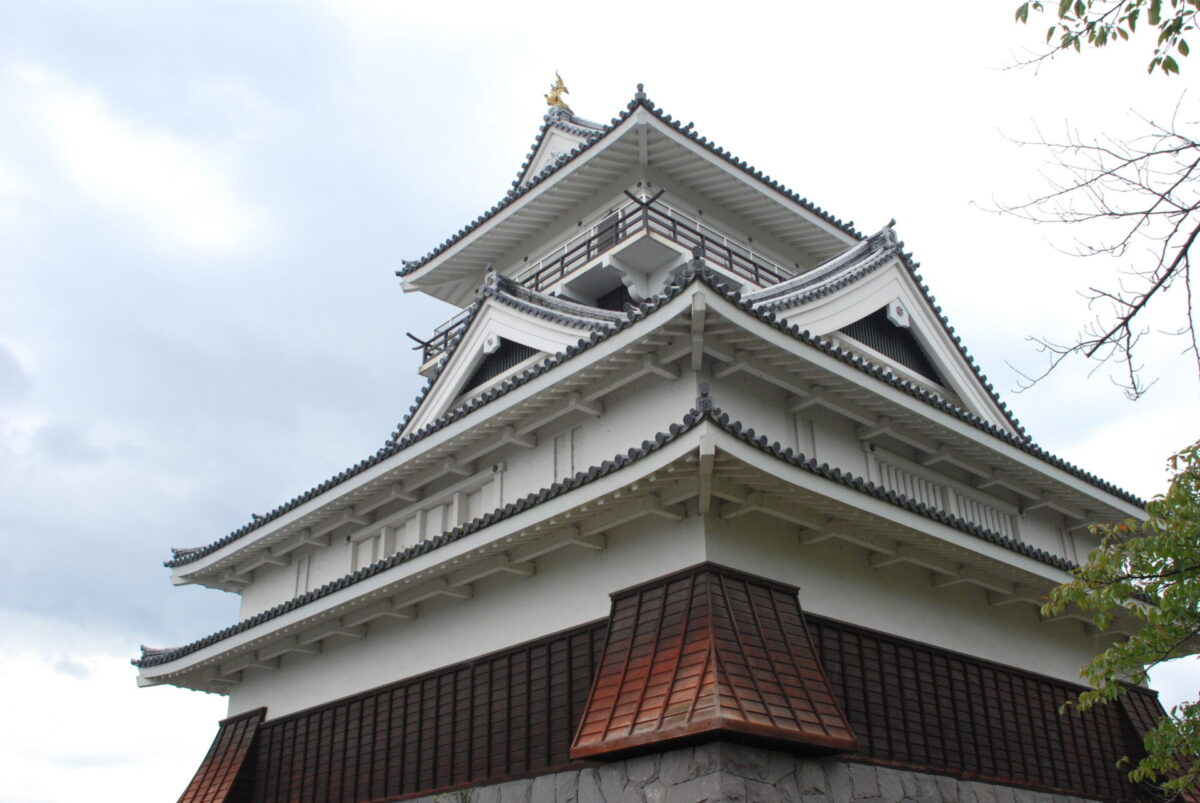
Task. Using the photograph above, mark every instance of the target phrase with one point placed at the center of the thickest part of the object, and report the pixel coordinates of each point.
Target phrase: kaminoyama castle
(703, 500)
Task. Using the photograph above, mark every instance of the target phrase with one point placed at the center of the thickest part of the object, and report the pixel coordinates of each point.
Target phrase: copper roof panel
(708, 651)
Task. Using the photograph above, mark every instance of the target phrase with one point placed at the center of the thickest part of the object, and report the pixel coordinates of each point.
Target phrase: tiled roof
(844, 269)
(706, 410)
(696, 272)
(639, 100)
(709, 651)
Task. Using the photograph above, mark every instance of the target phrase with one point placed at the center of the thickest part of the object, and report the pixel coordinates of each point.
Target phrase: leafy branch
(1097, 23)
(1149, 570)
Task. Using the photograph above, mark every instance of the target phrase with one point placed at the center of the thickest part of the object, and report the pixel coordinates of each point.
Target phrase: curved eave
(871, 515)
(641, 145)
(911, 408)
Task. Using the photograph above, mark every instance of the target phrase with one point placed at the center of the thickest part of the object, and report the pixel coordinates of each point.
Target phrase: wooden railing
(634, 218)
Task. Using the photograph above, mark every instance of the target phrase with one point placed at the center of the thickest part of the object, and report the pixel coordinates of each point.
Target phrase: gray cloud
(14, 381)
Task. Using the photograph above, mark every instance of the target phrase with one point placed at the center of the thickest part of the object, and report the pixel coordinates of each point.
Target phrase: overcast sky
(202, 206)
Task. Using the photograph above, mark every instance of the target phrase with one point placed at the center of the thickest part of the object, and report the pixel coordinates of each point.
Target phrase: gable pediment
(868, 300)
(561, 133)
(509, 328)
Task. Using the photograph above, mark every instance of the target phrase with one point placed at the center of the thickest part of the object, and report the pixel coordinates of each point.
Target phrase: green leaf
(1169, 65)
(1080, 9)
(1064, 6)
(1023, 12)
(1155, 12)
(1183, 48)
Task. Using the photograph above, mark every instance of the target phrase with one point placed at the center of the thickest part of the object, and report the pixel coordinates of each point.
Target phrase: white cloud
(180, 189)
(84, 723)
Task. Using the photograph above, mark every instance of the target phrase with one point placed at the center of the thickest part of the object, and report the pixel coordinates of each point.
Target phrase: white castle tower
(703, 500)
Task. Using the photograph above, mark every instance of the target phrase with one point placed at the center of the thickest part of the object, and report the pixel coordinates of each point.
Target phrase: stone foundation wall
(730, 772)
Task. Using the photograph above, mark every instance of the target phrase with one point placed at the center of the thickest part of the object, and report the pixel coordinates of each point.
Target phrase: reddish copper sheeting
(707, 651)
(214, 781)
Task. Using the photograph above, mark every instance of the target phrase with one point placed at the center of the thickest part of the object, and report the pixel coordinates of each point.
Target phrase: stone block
(656, 792)
(632, 794)
(745, 762)
(612, 781)
(779, 766)
(948, 789)
(566, 787)
(762, 792)
(677, 766)
(544, 789)
(966, 792)
(984, 792)
(789, 788)
(488, 794)
(642, 770)
(707, 758)
(837, 780)
(864, 782)
(589, 787)
(705, 788)
(1004, 794)
(516, 791)
(810, 777)
(891, 789)
(926, 787)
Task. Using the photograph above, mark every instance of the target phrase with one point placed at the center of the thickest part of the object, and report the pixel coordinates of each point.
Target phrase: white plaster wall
(756, 404)
(835, 441)
(571, 588)
(836, 581)
(634, 413)
(270, 586)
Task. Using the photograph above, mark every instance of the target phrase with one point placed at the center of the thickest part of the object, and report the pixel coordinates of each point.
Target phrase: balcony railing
(630, 220)
(664, 220)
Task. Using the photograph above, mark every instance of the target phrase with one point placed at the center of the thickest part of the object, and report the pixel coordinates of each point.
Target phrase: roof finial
(557, 90)
(641, 92)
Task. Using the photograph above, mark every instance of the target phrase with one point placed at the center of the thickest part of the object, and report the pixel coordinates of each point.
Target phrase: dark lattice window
(499, 361)
(877, 332)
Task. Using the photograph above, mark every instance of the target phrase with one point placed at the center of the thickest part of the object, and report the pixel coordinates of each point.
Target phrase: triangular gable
(642, 144)
(869, 299)
(561, 133)
(509, 326)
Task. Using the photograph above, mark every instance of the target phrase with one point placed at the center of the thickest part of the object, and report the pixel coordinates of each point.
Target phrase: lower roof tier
(525, 710)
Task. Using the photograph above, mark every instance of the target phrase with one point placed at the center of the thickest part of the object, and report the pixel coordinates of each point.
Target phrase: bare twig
(1137, 199)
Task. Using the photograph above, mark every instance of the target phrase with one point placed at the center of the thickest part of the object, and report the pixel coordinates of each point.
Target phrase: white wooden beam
(248, 661)
(576, 402)
(291, 644)
(378, 610)
(328, 629)
(699, 307)
(706, 453)
(647, 505)
(495, 564)
(972, 576)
